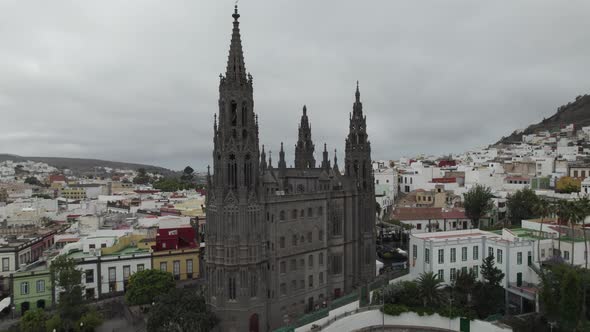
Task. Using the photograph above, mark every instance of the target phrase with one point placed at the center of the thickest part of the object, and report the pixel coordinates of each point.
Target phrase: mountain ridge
(85, 165)
(576, 112)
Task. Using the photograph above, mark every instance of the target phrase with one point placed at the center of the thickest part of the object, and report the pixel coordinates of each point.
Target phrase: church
(282, 241)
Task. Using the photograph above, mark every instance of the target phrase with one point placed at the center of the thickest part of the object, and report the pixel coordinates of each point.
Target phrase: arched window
(247, 171)
(232, 172)
(302, 213)
(244, 114)
(282, 215)
(233, 113)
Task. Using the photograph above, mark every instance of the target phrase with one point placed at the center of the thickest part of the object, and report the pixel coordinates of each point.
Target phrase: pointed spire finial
(357, 93)
(236, 15)
(325, 147)
(304, 110)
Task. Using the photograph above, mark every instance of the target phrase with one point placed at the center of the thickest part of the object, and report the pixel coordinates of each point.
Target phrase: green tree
(491, 274)
(544, 209)
(171, 185)
(187, 175)
(89, 321)
(569, 303)
(430, 289)
(477, 202)
(33, 181)
(567, 185)
(53, 323)
(583, 211)
(564, 214)
(144, 286)
(521, 205)
(181, 310)
(33, 321)
(142, 177)
(67, 277)
(489, 294)
(463, 287)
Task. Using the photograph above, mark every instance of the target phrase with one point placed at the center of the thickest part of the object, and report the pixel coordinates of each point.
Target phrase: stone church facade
(282, 241)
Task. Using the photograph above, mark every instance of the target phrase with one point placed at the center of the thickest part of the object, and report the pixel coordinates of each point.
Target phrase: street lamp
(383, 308)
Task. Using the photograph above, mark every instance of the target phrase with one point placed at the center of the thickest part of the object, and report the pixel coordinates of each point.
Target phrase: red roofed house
(177, 251)
(432, 219)
(175, 238)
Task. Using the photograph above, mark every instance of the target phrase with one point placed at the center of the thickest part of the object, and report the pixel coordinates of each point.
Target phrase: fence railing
(306, 319)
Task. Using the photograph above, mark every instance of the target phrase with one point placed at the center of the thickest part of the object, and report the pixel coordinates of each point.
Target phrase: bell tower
(236, 267)
(358, 166)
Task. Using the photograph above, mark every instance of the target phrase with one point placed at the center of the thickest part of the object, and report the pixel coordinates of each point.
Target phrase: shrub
(395, 309)
(388, 255)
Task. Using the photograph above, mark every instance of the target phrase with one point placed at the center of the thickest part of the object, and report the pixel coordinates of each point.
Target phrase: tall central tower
(236, 253)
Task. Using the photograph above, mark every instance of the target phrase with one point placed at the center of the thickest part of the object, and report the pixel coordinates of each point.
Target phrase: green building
(32, 287)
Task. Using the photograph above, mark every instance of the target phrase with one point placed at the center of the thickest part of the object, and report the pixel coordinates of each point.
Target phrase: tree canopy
(33, 181)
(33, 321)
(430, 288)
(142, 177)
(567, 185)
(68, 277)
(521, 205)
(144, 286)
(477, 202)
(181, 310)
(490, 273)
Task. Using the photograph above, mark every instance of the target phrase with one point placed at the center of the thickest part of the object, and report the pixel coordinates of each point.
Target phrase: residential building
(448, 253)
(176, 250)
(32, 287)
(428, 219)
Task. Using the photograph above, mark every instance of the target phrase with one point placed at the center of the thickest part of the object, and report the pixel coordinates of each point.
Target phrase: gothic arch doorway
(254, 323)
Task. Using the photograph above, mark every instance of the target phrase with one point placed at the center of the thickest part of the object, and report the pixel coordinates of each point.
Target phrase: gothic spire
(282, 163)
(326, 160)
(304, 148)
(236, 69)
(335, 160)
(262, 160)
(357, 108)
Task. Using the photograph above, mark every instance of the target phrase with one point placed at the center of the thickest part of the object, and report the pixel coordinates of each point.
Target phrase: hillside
(85, 166)
(576, 112)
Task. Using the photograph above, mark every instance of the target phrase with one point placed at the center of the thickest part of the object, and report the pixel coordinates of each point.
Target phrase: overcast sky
(138, 80)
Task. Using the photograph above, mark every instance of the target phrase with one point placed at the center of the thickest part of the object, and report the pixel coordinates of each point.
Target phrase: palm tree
(543, 209)
(574, 218)
(464, 285)
(583, 210)
(583, 207)
(430, 288)
(563, 215)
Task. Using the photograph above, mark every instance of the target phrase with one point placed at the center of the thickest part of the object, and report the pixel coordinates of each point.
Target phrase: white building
(447, 253)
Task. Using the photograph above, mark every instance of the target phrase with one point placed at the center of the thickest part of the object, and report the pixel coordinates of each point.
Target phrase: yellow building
(182, 263)
(73, 193)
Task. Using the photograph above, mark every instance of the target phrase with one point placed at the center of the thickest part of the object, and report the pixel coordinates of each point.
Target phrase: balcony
(526, 290)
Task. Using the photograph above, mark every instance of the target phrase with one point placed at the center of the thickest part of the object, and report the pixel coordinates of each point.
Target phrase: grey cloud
(137, 80)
